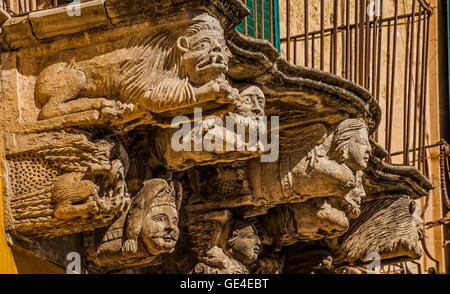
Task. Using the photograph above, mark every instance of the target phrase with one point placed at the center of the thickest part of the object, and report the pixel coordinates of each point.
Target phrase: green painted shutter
(276, 24)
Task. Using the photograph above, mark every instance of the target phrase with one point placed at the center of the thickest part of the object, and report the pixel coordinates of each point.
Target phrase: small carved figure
(251, 101)
(332, 169)
(70, 189)
(157, 72)
(239, 249)
(243, 243)
(314, 219)
(149, 228)
(154, 217)
(216, 136)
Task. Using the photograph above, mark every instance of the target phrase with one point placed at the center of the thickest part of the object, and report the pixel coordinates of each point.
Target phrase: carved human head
(351, 144)
(251, 101)
(242, 242)
(203, 48)
(157, 216)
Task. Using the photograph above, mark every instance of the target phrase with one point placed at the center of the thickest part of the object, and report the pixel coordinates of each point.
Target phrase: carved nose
(257, 111)
(216, 47)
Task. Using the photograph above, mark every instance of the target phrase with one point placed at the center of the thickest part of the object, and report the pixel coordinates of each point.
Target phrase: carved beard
(158, 243)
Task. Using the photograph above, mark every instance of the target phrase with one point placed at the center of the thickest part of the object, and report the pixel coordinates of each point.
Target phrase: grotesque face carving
(244, 243)
(251, 102)
(160, 229)
(204, 52)
(351, 144)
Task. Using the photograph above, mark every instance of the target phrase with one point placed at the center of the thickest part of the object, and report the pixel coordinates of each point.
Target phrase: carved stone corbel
(146, 230)
(62, 183)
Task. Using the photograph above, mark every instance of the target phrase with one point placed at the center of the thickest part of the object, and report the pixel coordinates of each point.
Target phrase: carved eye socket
(159, 218)
(202, 45)
(247, 100)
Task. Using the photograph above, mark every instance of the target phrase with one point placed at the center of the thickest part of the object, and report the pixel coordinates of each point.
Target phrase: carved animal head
(351, 144)
(203, 49)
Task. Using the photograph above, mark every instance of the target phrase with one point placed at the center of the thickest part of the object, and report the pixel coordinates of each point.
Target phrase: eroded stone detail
(63, 183)
(239, 248)
(90, 153)
(149, 228)
(157, 72)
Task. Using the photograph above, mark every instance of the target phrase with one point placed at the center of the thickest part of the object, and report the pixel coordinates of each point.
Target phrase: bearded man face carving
(160, 229)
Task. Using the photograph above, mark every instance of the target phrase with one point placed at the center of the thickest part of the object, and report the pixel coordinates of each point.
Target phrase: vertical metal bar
(347, 39)
(313, 40)
(343, 40)
(367, 48)
(255, 18)
(362, 42)
(335, 36)
(405, 96)
(288, 29)
(331, 63)
(424, 105)
(422, 81)
(322, 34)
(374, 62)
(394, 50)
(380, 33)
(295, 50)
(306, 33)
(388, 110)
(374, 55)
(8, 6)
(351, 55)
(261, 18)
(356, 39)
(411, 58)
(271, 38)
(245, 21)
(416, 90)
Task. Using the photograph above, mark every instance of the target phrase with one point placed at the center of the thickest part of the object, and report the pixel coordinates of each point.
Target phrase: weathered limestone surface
(91, 117)
(68, 19)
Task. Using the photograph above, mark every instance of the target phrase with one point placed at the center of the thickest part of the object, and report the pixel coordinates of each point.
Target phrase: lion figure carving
(157, 72)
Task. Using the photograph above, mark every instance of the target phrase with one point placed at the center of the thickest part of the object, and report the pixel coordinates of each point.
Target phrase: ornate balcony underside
(86, 122)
